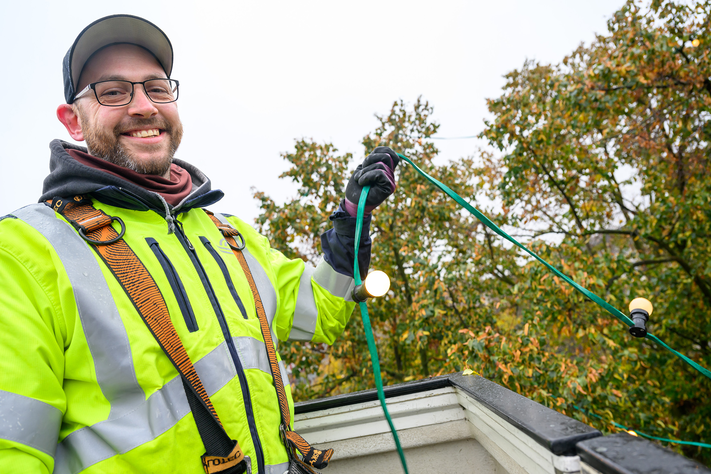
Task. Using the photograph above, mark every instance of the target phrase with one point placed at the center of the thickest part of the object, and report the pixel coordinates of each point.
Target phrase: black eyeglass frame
(92, 86)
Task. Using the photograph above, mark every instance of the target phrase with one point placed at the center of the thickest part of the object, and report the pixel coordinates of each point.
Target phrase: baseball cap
(114, 29)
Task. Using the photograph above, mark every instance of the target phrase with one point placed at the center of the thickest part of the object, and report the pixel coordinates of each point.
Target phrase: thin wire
(451, 138)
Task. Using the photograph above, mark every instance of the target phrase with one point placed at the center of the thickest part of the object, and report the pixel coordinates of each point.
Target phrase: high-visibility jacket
(84, 386)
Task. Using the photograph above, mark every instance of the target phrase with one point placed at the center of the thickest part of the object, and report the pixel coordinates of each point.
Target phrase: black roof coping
(555, 431)
(622, 453)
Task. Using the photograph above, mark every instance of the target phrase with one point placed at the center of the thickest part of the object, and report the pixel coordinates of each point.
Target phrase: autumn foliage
(600, 164)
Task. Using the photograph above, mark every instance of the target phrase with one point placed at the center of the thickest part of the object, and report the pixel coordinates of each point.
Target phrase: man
(86, 383)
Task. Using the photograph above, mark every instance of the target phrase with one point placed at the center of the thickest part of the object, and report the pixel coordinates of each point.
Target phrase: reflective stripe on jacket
(84, 387)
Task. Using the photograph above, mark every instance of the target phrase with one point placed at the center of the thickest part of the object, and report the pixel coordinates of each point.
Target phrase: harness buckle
(282, 434)
(241, 238)
(105, 242)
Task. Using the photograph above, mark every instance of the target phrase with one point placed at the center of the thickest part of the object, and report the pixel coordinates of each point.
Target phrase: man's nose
(141, 105)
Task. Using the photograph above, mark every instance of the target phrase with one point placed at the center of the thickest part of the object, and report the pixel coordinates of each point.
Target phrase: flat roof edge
(619, 453)
(556, 432)
(354, 398)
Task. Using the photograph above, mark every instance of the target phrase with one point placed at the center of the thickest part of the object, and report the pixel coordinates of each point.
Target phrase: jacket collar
(68, 178)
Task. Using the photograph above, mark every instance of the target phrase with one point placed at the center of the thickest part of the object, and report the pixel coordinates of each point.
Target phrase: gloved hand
(378, 171)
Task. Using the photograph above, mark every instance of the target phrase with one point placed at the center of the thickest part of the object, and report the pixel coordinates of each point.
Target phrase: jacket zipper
(226, 273)
(183, 239)
(175, 284)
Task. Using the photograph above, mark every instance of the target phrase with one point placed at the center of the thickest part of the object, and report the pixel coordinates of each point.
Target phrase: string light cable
(369, 331)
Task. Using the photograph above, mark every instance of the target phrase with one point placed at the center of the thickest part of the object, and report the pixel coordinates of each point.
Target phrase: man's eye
(158, 90)
(113, 93)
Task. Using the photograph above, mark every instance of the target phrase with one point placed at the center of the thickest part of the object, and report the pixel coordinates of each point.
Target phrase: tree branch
(394, 374)
(609, 283)
(703, 344)
(680, 50)
(502, 277)
(653, 262)
(565, 196)
(617, 194)
(496, 272)
(700, 281)
(564, 232)
(401, 272)
(340, 381)
(550, 218)
(454, 305)
(611, 231)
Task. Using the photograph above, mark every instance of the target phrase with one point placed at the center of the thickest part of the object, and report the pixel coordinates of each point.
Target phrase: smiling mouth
(154, 132)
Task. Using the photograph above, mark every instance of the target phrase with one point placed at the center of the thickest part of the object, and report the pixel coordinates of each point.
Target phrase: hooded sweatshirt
(68, 177)
(173, 190)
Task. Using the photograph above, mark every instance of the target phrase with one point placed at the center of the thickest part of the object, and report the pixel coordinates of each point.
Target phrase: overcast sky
(317, 69)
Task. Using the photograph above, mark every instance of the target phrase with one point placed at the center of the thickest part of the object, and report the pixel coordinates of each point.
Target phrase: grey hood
(68, 178)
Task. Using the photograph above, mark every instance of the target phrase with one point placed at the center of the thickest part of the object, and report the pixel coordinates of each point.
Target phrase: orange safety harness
(222, 454)
(312, 457)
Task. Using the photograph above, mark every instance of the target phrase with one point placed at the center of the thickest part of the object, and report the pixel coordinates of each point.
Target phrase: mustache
(142, 123)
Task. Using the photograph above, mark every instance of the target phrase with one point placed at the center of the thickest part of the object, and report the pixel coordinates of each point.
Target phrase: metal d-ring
(238, 247)
(105, 242)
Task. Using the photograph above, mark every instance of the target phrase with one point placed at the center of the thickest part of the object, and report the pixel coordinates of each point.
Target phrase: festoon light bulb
(640, 311)
(376, 284)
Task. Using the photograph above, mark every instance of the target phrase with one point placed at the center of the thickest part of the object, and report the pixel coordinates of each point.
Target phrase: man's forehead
(121, 61)
(123, 77)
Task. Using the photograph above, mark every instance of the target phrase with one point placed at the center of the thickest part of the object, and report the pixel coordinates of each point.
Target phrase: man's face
(113, 133)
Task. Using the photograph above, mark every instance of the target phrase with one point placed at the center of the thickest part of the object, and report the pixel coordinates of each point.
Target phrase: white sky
(318, 69)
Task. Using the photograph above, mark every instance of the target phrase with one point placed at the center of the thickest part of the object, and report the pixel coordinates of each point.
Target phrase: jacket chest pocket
(226, 275)
(175, 284)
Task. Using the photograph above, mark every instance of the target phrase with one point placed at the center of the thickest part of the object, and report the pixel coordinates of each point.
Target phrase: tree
(609, 150)
(600, 164)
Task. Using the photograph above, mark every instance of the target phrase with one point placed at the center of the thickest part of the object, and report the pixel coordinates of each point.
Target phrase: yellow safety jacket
(84, 386)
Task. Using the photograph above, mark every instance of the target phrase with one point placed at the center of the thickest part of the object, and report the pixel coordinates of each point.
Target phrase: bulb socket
(375, 285)
(360, 294)
(639, 318)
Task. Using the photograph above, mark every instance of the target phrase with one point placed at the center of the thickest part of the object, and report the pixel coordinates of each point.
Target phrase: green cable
(368, 329)
(645, 435)
(590, 295)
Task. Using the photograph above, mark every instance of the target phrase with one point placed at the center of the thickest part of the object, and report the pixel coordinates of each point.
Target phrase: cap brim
(119, 29)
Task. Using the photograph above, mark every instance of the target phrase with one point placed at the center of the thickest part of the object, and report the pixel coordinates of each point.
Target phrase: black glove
(378, 171)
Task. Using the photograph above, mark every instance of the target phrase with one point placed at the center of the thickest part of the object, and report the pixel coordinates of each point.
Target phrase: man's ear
(70, 119)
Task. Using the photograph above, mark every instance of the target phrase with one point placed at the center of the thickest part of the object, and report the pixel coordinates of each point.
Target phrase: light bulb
(640, 310)
(377, 283)
(641, 303)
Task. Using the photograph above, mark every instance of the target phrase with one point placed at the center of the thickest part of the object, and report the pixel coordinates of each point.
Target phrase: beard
(105, 144)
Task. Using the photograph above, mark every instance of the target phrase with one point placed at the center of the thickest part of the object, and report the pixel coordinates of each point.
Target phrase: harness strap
(223, 455)
(312, 457)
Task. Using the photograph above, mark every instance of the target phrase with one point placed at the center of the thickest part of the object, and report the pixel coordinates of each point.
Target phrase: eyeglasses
(119, 93)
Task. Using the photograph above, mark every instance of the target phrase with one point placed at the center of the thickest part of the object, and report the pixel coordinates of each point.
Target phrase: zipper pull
(171, 223)
(182, 232)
